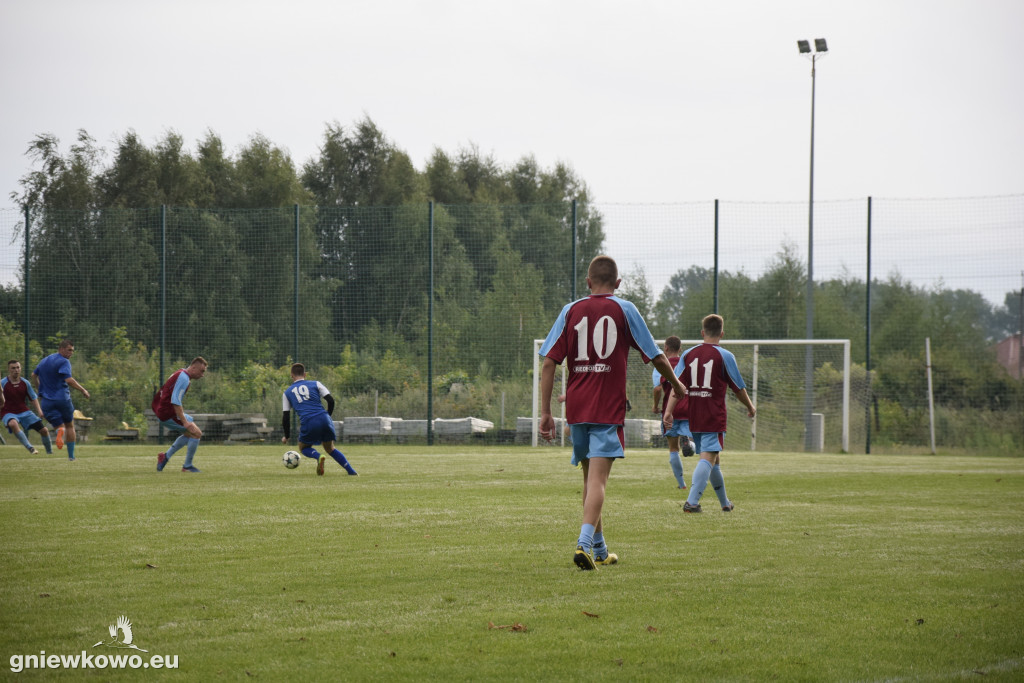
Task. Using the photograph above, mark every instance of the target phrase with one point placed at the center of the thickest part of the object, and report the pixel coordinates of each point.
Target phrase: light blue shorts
(596, 441)
(174, 426)
(26, 419)
(709, 442)
(679, 428)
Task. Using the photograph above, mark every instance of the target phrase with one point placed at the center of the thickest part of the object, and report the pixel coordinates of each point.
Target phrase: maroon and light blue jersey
(681, 411)
(707, 371)
(16, 396)
(595, 334)
(171, 394)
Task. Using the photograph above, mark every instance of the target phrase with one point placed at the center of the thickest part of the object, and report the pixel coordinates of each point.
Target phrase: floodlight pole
(820, 48)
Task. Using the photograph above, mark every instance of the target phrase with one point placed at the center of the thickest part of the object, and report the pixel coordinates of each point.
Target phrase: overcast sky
(650, 102)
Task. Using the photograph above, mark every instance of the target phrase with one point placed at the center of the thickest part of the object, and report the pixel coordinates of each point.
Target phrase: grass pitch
(455, 564)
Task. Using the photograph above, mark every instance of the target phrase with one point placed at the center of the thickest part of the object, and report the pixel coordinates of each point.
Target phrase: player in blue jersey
(316, 427)
(15, 397)
(167, 405)
(53, 381)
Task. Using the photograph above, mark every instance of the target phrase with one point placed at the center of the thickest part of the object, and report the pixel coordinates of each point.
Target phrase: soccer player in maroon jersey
(679, 433)
(595, 334)
(15, 398)
(707, 370)
(167, 406)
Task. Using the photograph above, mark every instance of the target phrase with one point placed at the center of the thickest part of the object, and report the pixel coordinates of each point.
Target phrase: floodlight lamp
(804, 46)
(819, 45)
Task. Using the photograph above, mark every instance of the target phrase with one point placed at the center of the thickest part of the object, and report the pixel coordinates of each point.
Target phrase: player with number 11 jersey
(707, 371)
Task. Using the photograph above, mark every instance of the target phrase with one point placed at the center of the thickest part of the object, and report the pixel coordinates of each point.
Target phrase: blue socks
(339, 458)
(71, 450)
(699, 481)
(190, 452)
(311, 452)
(718, 482)
(677, 468)
(23, 438)
(586, 537)
(46, 443)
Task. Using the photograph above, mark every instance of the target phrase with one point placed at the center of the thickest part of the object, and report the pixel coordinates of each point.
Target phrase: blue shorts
(174, 426)
(679, 428)
(596, 441)
(317, 429)
(26, 419)
(57, 413)
(709, 442)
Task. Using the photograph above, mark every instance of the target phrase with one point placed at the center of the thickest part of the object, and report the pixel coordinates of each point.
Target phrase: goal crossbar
(686, 343)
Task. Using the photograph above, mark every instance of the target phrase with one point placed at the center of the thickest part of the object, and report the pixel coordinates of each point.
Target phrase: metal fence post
(716, 257)
(867, 343)
(572, 290)
(28, 289)
(430, 330)
(163, 303)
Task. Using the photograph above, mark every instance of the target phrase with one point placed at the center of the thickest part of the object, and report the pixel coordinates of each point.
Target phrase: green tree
(637, 290)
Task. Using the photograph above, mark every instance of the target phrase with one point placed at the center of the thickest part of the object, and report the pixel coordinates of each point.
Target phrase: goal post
(774, 371)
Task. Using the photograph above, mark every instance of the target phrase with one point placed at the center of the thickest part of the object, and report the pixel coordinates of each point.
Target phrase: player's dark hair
(673, 343)
(298, 369)
(65, 344)
(200, 360)
(712, 325)
(603, 270)
(12, 362)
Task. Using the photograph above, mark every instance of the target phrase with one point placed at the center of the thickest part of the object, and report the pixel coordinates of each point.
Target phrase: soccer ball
(291, 459)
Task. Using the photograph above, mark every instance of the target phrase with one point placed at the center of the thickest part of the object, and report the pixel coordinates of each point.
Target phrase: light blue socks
(699, 481)
(677, 468)
(190, 452)
(718, 482)
(586, 537)
(23, 438)
(178, 444)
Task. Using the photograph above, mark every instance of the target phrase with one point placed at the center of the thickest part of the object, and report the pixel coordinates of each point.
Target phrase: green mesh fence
(347, 290)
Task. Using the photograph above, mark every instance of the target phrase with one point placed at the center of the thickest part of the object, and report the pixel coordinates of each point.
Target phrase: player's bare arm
(73, 383)
(745, 400)
(546, 428)
(657, 400)
(670, 409)
(191, 428)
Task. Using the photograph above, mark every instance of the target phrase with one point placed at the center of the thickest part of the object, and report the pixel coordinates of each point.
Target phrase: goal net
(776, 375)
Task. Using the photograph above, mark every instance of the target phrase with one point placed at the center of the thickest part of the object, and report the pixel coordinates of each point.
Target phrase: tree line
(502, 264)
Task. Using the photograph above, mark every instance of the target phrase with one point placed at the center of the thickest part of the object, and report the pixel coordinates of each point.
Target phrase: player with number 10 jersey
(595, 334)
